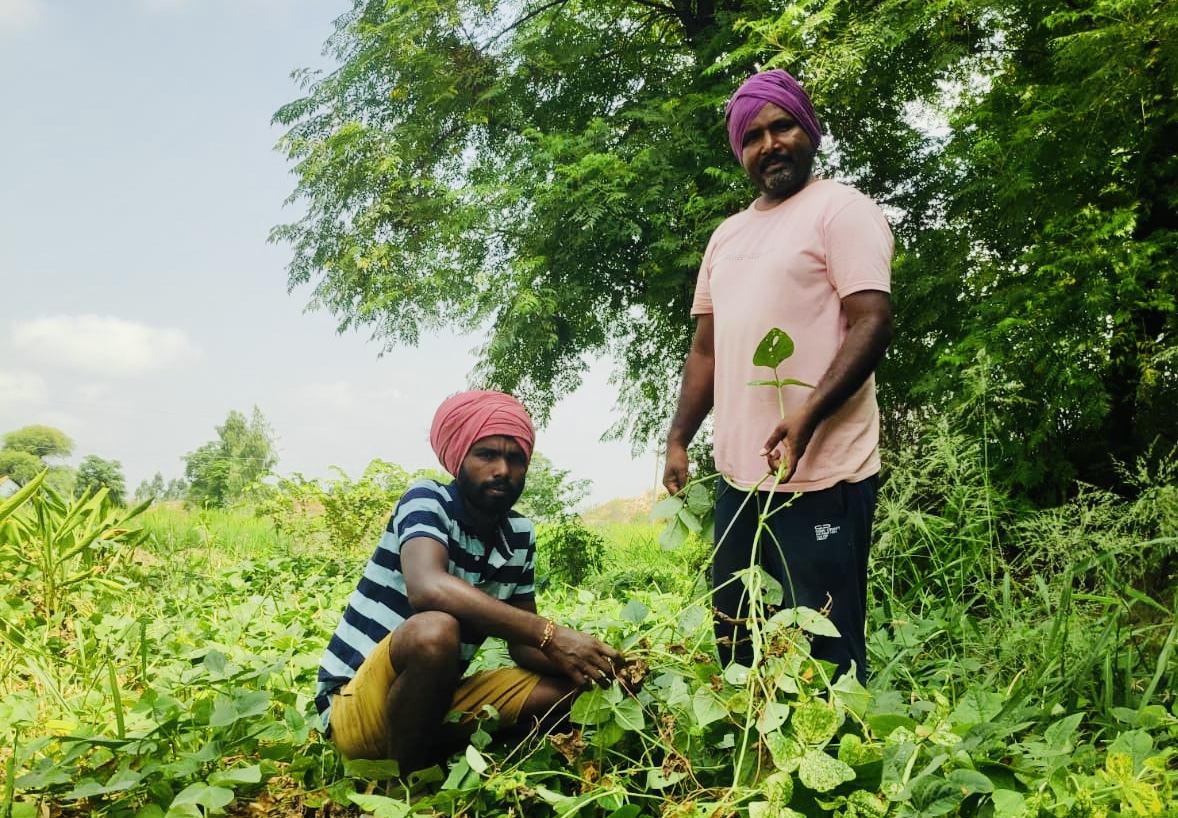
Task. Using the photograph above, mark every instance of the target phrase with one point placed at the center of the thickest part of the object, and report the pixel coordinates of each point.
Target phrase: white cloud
(104, 344)
(22, 388)
(19, 16)
(162, 5)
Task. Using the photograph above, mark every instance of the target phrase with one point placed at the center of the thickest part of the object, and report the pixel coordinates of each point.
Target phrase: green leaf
(237, 775)
(774, 348)
(822, 773)
(673, 535)
(706, 707)
(773, 716)
(785, 750)
(656, 780)
(815, 721)
(1009, 804)
(629, 715)
(213, 799)
(667, 508)
(634, 611)
(814, 622)
(475, 759)
(971, 781)
(699, 499)
(380, 806)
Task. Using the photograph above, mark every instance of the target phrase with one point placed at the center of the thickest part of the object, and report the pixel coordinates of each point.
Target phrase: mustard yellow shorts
(359, 726)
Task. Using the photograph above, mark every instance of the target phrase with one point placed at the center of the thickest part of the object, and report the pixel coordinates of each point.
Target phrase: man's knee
(432, 638)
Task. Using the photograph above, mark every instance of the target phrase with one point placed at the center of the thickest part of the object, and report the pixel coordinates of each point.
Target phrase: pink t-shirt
(789, 268)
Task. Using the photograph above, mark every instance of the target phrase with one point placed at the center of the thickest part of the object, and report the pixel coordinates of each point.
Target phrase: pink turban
(469, 416)
(782, 90)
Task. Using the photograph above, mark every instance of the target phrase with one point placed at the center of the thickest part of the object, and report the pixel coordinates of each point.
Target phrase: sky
(140, 301)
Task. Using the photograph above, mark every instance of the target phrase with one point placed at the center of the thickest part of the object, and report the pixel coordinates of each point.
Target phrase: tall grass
(1058, 605)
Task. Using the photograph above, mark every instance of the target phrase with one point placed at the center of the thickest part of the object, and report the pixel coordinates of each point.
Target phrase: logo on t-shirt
(824, 530)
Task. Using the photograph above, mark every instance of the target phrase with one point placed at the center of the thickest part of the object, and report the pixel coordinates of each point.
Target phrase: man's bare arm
(430, 587)
(696, 396)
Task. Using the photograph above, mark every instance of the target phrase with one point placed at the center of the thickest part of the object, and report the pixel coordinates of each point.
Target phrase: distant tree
(220, 470)
(43, 442)
(95, 473)
(20, 467)
(549, 493)
(27, 452)
(150, 489)
(177, 489)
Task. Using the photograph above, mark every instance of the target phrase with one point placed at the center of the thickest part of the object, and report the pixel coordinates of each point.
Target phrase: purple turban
(782, 90)
(467, 417)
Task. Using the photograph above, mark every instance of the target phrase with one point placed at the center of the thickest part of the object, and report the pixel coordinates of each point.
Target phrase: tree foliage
(29, 450)
(40, 441)
(551, 169)
(550, 493)
(96, 473)
(219, 472)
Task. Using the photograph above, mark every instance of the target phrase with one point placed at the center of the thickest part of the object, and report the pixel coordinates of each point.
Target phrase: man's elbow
(426, 597)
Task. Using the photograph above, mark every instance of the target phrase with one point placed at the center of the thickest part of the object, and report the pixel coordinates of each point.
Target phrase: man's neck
(766, 202)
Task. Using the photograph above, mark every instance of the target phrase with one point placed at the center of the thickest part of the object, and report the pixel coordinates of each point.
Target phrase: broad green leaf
(634, 611)
(475, 759)
(815, 721)
(667, 508)
(773, 716)
(699, 499)
(706, 707)
(1009, 804)
(673, 535)
(971, 781)
(1059, 735)
(814, 622)
(656, 780)
(690, 521)
(592, 707)
(380, 806)
(774, 348)
(237, 775)
(785, 750)
(1137, 745)
(629, 715)
(821, 772)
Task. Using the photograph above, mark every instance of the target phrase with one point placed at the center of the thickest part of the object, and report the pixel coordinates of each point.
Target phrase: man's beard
(480, 497)
(788, 178)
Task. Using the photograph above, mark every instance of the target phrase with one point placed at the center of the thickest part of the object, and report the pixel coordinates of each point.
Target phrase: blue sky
(139, 299)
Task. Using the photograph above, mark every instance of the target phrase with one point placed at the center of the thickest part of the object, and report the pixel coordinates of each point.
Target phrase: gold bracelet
(549, 630)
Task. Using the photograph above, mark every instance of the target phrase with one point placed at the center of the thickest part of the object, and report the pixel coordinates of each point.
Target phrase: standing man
(455, 566)
(811, 257)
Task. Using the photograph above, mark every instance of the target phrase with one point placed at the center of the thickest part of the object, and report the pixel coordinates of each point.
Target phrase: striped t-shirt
(506, 570)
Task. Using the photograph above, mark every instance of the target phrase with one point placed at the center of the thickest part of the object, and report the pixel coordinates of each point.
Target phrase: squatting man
(455, 566)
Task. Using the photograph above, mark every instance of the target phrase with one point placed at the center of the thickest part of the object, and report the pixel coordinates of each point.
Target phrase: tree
(548, 491)
(219, 471)
(552, 168)
(95, 473)
(43, 442)
(150, 489)
(1040, 230)
(27, 452)
(20, 467)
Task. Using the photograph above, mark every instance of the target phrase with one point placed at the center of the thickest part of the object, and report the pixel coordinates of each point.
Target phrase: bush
(567, 550)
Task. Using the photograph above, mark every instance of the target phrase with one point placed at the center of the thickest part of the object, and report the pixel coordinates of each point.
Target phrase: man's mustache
(784, 158)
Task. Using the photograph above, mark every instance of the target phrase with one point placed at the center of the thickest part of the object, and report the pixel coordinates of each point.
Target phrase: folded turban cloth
(467, 417)
(782, 90)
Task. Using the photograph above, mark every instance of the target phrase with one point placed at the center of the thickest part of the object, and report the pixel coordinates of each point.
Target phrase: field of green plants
(160, 663)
